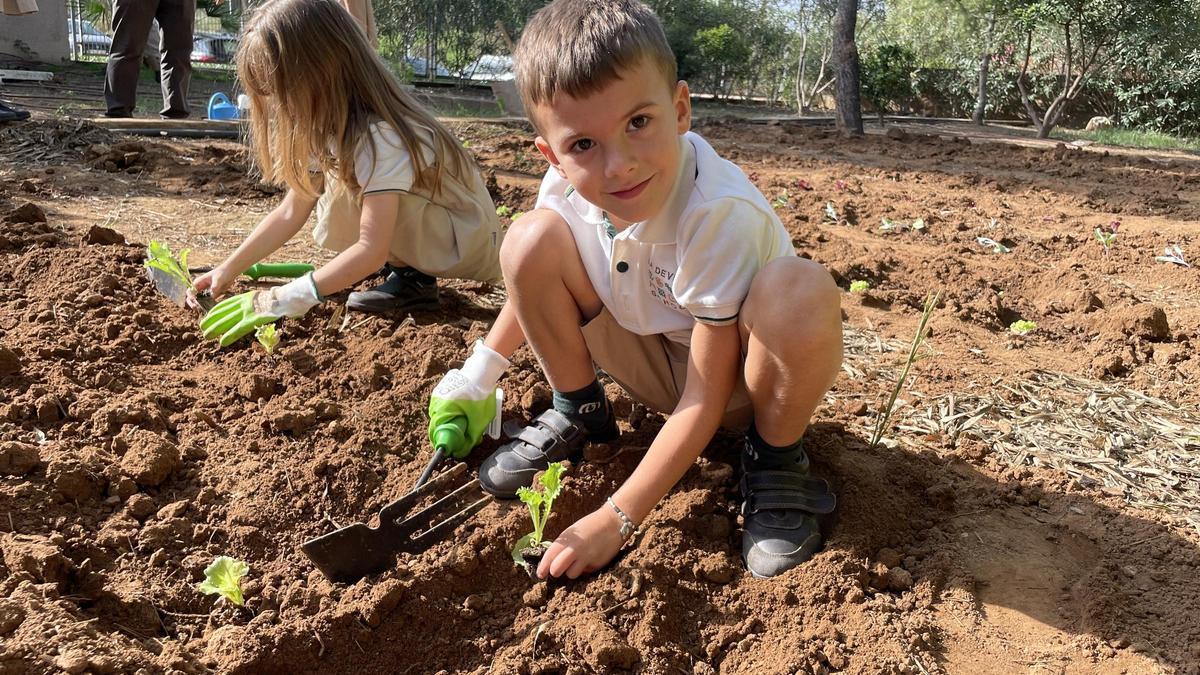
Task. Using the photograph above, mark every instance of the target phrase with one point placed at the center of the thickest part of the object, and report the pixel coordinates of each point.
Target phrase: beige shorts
(652, 369)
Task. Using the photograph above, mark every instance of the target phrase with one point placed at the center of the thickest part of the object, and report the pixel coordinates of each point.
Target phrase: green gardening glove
(233, 318)
(468, 392)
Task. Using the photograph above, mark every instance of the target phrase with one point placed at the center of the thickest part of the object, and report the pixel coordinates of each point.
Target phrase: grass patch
(1131, 138)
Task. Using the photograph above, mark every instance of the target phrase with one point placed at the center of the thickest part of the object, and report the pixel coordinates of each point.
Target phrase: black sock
(776, 455)
(589, 406)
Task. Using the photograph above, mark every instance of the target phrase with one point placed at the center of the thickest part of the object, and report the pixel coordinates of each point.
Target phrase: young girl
(391, 186)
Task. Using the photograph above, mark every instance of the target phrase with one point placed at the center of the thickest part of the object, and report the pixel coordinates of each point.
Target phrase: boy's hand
(238, 316)
(584, 547)
(468, 392)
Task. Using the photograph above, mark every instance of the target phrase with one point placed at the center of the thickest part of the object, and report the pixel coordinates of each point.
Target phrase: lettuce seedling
(267, 337)
(503, 210)
(831, 214)
(1107, 236)
(860, 286)
(996, 246)
(1022, 327)
(159, 256)
(224, 578)
(539, 504)
(1173, 254)
(781, 202)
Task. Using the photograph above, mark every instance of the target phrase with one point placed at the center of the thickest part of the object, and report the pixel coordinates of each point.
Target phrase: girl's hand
(586, 546)
(214, 282)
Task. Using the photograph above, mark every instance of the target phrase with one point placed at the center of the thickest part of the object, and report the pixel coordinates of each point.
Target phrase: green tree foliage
(887, 77)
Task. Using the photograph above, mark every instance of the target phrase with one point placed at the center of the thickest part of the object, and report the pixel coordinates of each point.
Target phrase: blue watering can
(219, 107)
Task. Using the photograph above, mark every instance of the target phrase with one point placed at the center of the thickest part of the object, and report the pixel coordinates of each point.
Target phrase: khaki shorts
(652, 369)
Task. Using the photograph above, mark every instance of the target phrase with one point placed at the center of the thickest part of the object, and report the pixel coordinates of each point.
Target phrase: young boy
(653, 258)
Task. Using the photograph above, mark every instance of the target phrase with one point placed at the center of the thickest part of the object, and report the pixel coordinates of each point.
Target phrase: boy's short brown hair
(577, 47)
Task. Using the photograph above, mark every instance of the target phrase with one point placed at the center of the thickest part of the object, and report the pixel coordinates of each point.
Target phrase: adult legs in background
(131, 24)
(178, 21)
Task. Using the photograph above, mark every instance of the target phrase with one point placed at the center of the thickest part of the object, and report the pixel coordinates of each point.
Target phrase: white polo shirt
(694, 261)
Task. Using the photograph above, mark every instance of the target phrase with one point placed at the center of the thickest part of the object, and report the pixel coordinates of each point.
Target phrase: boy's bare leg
(552, 294)
(791, 326)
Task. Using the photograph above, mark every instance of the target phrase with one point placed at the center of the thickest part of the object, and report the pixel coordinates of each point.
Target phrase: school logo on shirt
(660, 286)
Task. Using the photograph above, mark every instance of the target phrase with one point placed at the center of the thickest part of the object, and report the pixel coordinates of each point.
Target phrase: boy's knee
(788, 286)
(534, 242)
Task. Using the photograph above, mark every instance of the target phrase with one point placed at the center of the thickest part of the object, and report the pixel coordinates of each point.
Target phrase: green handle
(451, 437)
(281, 270)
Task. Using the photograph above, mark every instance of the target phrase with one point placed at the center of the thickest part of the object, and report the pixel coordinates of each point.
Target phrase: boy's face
(619, 147)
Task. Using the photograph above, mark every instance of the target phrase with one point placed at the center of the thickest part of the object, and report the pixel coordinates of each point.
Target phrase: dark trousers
(131, 26)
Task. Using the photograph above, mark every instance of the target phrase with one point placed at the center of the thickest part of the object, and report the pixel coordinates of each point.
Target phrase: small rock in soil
(10, 363)
(36, 556)
(102, 236)
(899, 579)
(1145, 322)
(383, 600)
(897, 134)
(536, 398)
(888, 556)
(18, 459)
(605, 648)
(173, 510)
(477, 602)
(26, 213)
(150, 458)
(537, 595)
(141, 506)
(290, 420)
(11, 615)
(715, 568)
(73, 479)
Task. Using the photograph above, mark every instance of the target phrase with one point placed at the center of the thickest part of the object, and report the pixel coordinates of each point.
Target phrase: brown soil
(132, 453)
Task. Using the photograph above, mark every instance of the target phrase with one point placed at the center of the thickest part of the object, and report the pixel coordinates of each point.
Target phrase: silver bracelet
(627, 526)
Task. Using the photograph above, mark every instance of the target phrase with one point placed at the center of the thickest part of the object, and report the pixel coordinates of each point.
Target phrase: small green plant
(860, 286)
(1022, 327)
(996, 246)
(267, 336)
(781, 202)
(159, 256)
(831, 214)
(539, 503)
(517, 214)
(1174, 255)
(1107, 235)
(466, 144)
(503, 210)
(886, 225)
(224, 578)
(885, 415)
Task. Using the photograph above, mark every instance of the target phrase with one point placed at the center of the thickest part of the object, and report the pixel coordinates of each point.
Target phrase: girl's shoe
(403, 289)
(781, 502)
(8, 114)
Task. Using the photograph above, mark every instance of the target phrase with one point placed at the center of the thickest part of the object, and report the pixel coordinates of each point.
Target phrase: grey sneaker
(403, 289)
(780, 505)
(552, 437)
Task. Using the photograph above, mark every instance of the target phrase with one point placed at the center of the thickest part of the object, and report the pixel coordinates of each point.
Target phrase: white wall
(41, 36)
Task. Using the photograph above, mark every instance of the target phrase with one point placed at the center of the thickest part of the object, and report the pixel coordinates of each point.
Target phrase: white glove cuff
(298, 296)
(484, 366)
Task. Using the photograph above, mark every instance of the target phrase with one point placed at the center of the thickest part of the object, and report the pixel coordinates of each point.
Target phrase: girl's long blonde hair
(315, 85)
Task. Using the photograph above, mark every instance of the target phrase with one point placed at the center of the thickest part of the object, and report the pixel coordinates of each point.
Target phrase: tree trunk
(849, 105)
(985, 61)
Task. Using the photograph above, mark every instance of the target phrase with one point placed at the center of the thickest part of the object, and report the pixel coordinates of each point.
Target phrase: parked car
(490, 68)
(420, 67)
(87, 40)
(214, 47)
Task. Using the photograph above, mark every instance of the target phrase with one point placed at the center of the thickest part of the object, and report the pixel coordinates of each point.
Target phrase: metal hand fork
(353, 552)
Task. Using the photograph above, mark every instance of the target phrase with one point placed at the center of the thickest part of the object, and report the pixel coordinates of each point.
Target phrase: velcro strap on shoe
(785, 491)
(551, 436)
